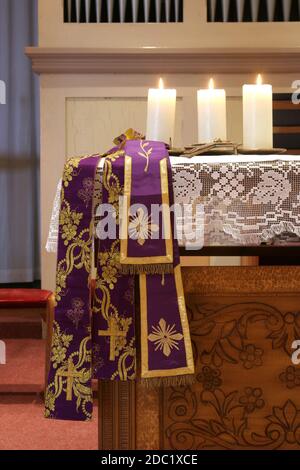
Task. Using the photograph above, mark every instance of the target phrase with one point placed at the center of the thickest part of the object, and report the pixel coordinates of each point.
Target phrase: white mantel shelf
(159, 60)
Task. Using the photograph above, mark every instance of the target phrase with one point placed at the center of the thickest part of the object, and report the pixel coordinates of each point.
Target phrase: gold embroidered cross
(70, 374)
(114, 333)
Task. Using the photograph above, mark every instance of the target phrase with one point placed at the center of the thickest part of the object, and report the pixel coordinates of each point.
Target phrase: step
(20, 324)
(24, 368)
(23, 427)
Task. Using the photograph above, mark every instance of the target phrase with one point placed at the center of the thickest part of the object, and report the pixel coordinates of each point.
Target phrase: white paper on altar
(247, 199)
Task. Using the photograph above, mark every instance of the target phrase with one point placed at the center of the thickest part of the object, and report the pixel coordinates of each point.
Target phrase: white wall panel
(93, 123)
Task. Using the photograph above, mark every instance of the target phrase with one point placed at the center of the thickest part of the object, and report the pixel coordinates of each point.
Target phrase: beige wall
(195, 32)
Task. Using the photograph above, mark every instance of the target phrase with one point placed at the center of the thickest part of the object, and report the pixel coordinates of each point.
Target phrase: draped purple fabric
(103, 344)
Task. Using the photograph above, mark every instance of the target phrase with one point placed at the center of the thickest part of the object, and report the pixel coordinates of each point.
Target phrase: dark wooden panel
(246, 394)
(282, 96)
(285, 105)
(286, 130)
(294, 151)
(117, 416)
(286, 120)
(288, 141)
(292, 251)
(287, 117)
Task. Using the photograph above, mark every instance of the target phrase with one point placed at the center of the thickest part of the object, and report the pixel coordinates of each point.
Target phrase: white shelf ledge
(159, 60)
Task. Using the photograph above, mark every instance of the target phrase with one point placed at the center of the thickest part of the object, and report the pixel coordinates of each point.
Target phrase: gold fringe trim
(137, 269)
(176, 381)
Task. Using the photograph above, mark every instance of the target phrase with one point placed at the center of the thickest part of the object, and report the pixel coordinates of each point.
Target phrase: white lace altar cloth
(247, 200)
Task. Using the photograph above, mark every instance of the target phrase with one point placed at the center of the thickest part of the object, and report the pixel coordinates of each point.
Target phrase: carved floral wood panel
(246, 394)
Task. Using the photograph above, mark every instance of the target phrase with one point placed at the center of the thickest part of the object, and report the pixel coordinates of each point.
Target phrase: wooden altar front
(246, 394)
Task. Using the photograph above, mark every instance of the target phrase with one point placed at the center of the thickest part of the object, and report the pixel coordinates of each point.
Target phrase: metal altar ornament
(219, 147)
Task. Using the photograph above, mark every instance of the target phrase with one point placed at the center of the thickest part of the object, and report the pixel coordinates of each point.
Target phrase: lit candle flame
(211, 84)
(259, 79)
(161, 84)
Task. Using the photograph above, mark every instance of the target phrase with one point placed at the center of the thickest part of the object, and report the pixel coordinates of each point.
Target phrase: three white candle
(161, 114)
(211, 114)
(258, 115)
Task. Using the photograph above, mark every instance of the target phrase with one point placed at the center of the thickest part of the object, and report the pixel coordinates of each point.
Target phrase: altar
(243, 320)
(227, 201)
(244, 317)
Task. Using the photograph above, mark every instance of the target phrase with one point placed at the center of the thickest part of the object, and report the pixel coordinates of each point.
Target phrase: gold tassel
(137, 269)
(176, 381)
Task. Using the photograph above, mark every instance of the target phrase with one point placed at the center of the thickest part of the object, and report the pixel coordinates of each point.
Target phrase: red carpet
(24, 371)
(22, 422)
(23, 427)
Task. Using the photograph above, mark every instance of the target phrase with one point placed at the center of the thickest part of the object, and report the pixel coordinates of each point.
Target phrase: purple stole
(98, 339)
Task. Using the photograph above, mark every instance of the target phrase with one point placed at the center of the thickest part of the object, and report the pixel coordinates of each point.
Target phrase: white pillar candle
(211, 114)
(161, 114)
(258, 115)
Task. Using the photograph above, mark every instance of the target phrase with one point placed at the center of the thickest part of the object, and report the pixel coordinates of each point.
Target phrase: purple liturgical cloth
(96, 337)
